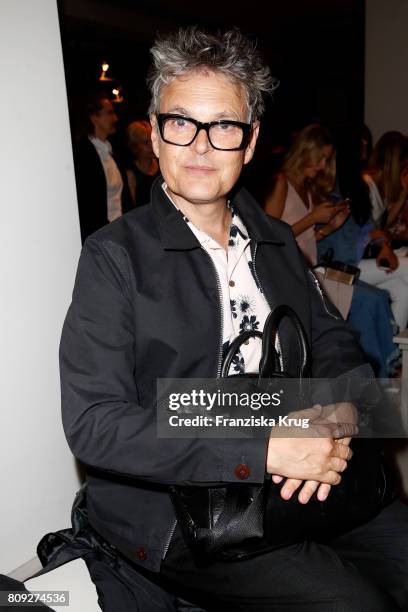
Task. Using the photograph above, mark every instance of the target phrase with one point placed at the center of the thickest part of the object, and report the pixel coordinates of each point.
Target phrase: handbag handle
(234, 348)
(269, 365)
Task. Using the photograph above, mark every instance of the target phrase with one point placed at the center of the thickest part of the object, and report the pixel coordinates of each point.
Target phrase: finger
(338, 465)
(344, 430)
(323, 492)
(343, 441)
(332, 478)
(309, 488)
(277, 479)
(342, 451)
(311, 413)
(291, 485)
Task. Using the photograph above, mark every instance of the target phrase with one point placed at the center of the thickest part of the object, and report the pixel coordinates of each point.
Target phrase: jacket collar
(176, 235)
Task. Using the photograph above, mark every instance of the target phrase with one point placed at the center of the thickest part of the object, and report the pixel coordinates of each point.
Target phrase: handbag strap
(234, 348)
(269, 365)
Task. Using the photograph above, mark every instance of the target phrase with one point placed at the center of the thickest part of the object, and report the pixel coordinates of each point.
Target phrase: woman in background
(300, 195)
(143, 165)
(388, 191)
(387, 182)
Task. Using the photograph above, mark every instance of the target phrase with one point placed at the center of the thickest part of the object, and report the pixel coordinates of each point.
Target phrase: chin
(203, 190)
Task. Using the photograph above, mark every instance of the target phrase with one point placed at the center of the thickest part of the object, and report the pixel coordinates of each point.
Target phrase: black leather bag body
(237, 521)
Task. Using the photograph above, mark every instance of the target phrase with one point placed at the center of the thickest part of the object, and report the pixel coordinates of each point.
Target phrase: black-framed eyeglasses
(224, 134)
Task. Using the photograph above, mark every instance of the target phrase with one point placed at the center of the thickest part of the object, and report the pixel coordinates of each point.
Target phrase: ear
(250, 150)
(155, 135)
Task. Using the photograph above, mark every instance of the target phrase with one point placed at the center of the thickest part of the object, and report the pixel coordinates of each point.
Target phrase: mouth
(199, 169)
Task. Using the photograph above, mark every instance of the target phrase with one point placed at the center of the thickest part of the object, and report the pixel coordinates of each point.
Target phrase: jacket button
(242, 471)
(141, 554)
(232, 283)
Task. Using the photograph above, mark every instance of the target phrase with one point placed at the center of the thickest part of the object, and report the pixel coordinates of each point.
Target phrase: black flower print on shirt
(235, 233)
(245, 304)
(238, 363)
(233, 305)
(249, 324)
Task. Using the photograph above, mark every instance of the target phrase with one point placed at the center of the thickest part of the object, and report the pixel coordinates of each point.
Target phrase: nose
(322, 164)
(201, 143)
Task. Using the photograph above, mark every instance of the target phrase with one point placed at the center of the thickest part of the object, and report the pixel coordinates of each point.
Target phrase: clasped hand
(312, 460)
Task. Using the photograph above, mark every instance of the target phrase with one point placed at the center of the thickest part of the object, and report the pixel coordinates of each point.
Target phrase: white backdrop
(386, 74)
(39, 249)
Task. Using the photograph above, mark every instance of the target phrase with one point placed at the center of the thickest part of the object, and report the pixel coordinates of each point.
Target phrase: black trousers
(364, 570)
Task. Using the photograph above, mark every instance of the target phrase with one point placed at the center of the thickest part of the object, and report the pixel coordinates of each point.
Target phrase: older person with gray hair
(161, 293)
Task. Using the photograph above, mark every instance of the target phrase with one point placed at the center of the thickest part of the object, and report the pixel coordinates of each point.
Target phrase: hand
(309, 487)
(339, 218)
(378, 234)
(318, 458)
(323, 213)
(388, 254)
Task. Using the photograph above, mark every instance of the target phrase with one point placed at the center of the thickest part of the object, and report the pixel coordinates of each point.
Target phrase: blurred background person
(142, 166)
(99, 181)
(383, 175)
(370, 311)
(301, 192)
(388, 190)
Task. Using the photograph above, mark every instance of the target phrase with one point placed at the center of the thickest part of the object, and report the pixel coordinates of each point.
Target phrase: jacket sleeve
(335, 343)
(105, 425)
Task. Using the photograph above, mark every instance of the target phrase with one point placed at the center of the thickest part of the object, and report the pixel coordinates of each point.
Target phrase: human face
(320, 162)
(141, 147)
(197, 173)
(104, 121)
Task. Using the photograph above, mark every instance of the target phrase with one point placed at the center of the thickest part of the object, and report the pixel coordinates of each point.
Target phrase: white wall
(39, 249)
(386, 78)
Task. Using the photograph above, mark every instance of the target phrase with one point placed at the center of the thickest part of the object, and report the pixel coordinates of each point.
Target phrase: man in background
(99, 181)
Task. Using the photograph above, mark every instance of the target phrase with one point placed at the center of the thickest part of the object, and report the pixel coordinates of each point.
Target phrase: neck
(213, 218)
(100, 134)
(298, 181)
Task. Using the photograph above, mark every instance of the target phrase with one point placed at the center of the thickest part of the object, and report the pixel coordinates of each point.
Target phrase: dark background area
(314, 47)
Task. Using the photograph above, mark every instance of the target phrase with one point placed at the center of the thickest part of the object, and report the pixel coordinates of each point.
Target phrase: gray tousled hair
(230, 54)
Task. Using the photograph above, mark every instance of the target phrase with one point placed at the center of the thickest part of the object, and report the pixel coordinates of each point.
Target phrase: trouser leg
(305, 577)
(121, 587)
(379, 549)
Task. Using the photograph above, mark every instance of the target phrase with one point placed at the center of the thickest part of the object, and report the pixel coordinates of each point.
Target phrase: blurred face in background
(104, 121)
(139, 140)
(318, 161)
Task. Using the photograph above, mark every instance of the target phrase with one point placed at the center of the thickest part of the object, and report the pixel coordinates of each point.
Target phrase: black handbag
(238, 521)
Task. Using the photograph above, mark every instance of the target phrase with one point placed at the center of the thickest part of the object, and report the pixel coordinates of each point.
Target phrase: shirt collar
(104, 146)
(176, 235)
(237, 227)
